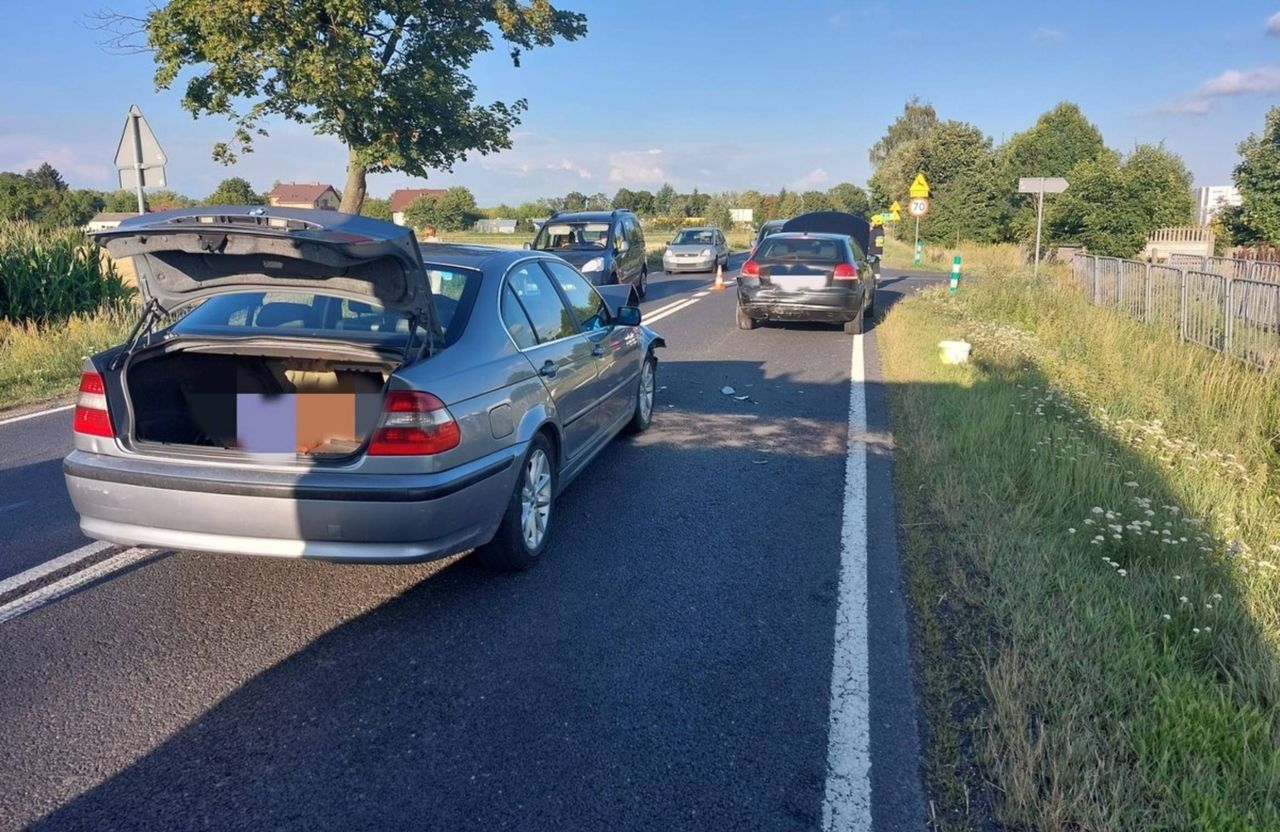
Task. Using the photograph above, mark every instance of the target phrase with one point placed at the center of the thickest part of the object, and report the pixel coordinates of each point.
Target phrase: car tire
(745, 321)
(646, 396)
(511, 549)
(642, 288)
(871, 305)
(854, 327)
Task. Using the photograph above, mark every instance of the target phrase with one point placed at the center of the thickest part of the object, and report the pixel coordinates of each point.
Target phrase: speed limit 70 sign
(918, 207)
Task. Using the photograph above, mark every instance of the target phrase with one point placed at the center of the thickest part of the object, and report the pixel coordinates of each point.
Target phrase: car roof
(590, 216)
(467, 256)
(805, 235)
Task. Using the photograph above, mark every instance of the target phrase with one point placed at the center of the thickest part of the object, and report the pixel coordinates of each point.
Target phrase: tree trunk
(353, 193)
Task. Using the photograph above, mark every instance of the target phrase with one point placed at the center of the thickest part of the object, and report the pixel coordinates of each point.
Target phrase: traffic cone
(719, 285)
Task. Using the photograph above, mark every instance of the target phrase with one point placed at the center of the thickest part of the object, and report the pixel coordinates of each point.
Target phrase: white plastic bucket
(954, 352)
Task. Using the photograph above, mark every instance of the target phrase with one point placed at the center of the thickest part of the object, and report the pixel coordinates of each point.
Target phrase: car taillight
(414, 424)
(750, 269)
(845, 271)
(91, 417)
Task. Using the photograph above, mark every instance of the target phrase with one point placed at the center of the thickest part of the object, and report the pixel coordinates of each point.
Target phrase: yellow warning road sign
(919, 187)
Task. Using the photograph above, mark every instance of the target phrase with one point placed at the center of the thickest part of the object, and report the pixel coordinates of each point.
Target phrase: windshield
(694, 237)
(570, 235)
(310, 314)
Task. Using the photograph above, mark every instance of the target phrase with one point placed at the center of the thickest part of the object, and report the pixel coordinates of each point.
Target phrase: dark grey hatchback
(606, 246)
(814, 269)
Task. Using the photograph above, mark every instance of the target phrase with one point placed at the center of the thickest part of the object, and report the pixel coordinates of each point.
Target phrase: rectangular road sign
(1041, 184)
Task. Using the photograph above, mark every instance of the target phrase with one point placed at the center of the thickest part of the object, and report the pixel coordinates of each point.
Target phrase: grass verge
(1091, 534)
(39, 362)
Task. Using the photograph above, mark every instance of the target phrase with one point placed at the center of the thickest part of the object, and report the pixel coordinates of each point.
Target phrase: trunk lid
(195, 253)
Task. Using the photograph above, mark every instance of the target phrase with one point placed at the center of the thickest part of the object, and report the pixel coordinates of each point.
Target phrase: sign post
(918, 206)
(139, 159)
(1040, 185)
(955, 275)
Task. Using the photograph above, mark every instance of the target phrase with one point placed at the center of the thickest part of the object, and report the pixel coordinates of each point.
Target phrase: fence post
(1182, 304)
(1146, 295)
(1227, 304)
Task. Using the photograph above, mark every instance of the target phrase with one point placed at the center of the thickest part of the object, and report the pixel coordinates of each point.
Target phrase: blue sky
(712, 94)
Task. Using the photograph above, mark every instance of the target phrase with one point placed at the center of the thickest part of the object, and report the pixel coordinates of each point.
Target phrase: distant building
(745, 216)
(1213, 198)
(304, 195)
(402, 198)
(496, 226)
(105, 220)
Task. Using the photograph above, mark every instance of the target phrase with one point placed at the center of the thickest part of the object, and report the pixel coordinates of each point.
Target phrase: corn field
(49, 275)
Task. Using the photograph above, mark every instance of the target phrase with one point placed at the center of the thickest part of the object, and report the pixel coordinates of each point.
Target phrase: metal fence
(1205, 302)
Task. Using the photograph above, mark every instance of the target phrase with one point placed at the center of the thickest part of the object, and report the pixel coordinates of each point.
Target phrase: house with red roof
(304, 195)
(403, 197)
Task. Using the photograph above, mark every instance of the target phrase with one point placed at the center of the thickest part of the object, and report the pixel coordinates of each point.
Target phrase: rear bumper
(322, 515)
(831, 305)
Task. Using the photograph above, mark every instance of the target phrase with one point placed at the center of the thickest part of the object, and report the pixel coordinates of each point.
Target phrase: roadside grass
(39, 362)
(976, 258)
(1091, 534)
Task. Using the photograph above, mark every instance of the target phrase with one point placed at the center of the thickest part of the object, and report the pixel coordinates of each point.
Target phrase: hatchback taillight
(92, 417)
(750, 269)
(414, 424)
(845, 271)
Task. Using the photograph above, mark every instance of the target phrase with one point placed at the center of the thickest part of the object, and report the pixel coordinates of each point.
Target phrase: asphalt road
(668, 665)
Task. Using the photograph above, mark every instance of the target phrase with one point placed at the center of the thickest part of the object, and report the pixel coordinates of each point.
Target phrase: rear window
(803, 249)
(295, 312)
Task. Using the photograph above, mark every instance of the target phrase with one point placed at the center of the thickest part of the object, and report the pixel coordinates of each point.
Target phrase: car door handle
(598, 350)
(549, 369)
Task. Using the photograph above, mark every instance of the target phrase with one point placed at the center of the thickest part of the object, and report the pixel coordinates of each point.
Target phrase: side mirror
(628, 316)
(528, 246)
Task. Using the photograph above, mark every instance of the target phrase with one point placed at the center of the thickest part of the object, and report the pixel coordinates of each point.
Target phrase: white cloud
(631, 167)
(1273, 25)
(1048, 34)
(1263, 80)
(565, 164)
(811, 180)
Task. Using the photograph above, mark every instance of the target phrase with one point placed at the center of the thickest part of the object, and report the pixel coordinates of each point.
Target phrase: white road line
(847, 803)
(24, 417)
(57, 589)
(35, 573)
(662, 309)
(670, 311)
(12, 506)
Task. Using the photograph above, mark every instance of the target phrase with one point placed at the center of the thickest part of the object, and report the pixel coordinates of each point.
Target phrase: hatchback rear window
(802, 249)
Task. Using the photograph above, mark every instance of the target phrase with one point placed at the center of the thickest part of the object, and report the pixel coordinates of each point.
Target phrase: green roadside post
(955, 275)
(919, 244)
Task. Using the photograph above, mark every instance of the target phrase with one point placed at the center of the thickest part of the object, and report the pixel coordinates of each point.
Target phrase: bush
(51, 274)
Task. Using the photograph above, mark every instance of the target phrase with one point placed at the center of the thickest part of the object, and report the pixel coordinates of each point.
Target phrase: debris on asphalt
(759, 462)
(728, 391)
(741, 398)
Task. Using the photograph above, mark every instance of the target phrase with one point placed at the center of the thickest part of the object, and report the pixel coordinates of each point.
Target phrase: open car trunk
(203, 398)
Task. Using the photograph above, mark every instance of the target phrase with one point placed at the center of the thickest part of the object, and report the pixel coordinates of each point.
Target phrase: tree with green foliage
(918, 119)
(575, 201)
(599, 202)
(789, 204)
(816, 201)
(664, 200)
(453, 210)
(1059, 140)
(388, 78)
(642, 203)
(1258, 178)
(379, 209)
(718, 211)
(120, 202)
(1113, 203)
(234, 191)
(849, 198)
(624, 199)
(696, 203)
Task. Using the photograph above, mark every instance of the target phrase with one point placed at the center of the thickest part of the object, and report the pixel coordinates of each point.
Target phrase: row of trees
(1257, 176)
(1114, 199)
(42, 196)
